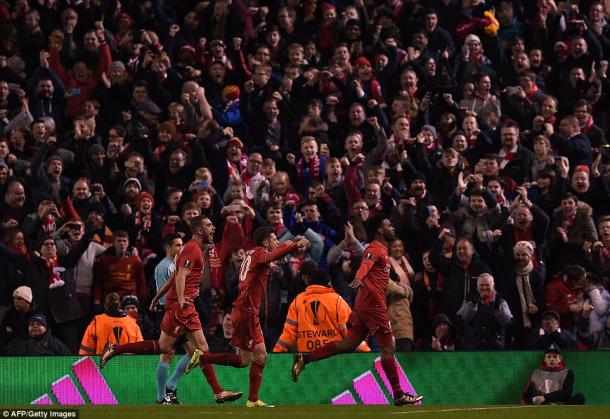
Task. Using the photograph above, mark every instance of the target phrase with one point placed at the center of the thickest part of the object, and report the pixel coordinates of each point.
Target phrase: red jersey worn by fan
(252, 284)
(176, 320)
(370, 313)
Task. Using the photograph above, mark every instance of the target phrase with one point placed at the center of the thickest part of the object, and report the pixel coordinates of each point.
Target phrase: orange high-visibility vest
(105, 329)
(316, 317)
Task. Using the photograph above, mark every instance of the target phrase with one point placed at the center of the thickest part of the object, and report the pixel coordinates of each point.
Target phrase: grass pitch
(338, 412)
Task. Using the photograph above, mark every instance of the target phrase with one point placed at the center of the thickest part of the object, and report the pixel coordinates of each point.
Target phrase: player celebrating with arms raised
(247, 334)
(370, 314)
(181, 317)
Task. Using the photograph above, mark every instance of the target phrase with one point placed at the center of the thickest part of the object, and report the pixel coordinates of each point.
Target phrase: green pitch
(342, 412)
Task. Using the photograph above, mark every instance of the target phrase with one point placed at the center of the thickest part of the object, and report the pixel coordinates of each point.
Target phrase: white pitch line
(463, 409)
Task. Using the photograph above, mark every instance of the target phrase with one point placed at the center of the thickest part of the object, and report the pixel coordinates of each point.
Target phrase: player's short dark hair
(372, 225)
(169, 238)
(197, 222)
(261, 234)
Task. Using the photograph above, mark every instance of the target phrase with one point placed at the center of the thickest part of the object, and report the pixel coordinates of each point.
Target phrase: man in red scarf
(516, 161)
(582, 112)
(485, 316)
(552, 382)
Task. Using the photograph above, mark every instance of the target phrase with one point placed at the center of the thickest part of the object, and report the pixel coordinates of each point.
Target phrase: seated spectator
(113, 326)
(39, 341)
(552, 383)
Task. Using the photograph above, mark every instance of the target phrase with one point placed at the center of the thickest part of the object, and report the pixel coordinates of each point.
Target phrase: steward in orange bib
(316, 316)
(114, 326)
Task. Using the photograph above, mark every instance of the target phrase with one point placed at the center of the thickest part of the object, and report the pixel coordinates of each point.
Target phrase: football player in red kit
(181, 317)
(370, 314)
(247, 333)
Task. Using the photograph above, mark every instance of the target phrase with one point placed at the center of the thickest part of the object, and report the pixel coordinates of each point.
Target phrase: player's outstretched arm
(284, 249)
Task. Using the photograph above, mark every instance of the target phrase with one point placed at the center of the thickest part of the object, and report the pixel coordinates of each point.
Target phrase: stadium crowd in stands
(479, 128)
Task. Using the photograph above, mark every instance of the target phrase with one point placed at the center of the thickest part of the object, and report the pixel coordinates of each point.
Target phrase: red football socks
(230, 360)
(210, 376)
(256, 376)
(324, 352)
(389, 367)
(142, 347)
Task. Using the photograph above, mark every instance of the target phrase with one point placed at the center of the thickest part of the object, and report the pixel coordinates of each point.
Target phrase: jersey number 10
(245, 266)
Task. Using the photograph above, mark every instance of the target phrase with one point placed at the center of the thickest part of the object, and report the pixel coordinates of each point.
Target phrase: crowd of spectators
(479, 128)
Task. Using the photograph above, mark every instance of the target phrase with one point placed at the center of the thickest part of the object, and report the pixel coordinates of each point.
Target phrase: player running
(370, 314)
(247, 334)
(180, 314)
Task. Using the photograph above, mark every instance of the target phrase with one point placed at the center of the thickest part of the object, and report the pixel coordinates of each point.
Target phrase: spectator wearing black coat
(571, 143)
(521, 283)
(55, 292)
(459, 271)
(40, 341)
(516, 161)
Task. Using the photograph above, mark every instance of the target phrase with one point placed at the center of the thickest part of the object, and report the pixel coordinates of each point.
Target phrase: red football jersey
(190, 257)
(253, 276)
(375, 274)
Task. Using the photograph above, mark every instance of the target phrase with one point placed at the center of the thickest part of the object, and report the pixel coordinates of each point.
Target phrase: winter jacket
(46, 344)
(485, 324)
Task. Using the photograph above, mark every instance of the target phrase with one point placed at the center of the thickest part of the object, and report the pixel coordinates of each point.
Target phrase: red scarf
(295, 264)
(237, 170)
(314, 167)
(551, 120)
(545, 367)
(472, 141)
(23, 251)
(507, 156)
(160, 149)
(479, 96)
(489, 298)
(568, 222)
(605, 253)
(587, 125)
(53, 277)
(532, 92)
(476, 58)
(143, 221)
